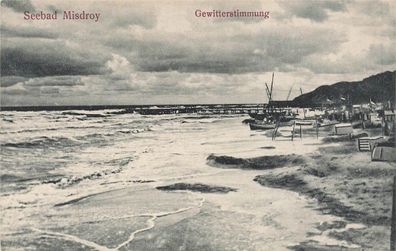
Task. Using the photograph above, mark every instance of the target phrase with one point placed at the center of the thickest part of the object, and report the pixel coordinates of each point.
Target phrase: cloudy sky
(155, 52)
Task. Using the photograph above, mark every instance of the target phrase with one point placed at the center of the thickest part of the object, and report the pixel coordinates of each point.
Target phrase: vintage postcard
(198, 125)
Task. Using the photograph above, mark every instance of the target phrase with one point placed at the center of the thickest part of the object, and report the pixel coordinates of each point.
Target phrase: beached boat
(268, 126)
(305, 122)
(259, 126)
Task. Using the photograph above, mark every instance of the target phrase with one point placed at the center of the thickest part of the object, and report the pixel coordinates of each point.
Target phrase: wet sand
(343, 182)
(131, 214)
(253, 218)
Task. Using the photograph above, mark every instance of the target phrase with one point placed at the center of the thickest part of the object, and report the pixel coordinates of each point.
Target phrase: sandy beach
(212, 184)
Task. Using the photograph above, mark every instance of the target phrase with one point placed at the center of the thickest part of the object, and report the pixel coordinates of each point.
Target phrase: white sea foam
(124, 148)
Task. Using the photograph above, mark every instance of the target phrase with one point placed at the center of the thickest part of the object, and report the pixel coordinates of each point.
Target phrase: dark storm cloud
(18, 5)
(208, 63)
(26, 32)
(235, 54)
(16, 61)
(149, 52)
(47, 58)
(314, 10)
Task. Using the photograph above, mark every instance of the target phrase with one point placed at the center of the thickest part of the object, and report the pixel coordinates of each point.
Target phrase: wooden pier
(154, 109)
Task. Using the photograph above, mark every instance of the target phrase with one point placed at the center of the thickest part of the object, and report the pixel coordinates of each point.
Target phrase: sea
(62, 169)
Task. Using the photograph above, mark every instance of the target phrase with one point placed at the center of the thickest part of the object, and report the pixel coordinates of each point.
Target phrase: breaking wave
(89, 115)
(42, 141)
(64, 141)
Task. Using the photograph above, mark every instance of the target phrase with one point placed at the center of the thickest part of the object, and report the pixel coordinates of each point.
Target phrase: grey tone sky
(160, 52)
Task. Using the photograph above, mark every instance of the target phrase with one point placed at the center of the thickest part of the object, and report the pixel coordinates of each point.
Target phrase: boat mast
(268, 91)
(288, 94)
(272, 85)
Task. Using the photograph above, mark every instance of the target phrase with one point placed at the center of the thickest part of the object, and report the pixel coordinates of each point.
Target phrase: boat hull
(255, 126)
(258, 126)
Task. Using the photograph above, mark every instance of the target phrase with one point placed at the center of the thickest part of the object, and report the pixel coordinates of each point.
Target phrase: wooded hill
(378, 88)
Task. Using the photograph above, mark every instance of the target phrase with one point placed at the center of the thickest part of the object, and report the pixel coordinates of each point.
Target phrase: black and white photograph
(197, 125)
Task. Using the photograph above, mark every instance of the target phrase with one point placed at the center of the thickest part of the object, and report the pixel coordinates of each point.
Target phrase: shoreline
(242, 191)
(343, 182)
